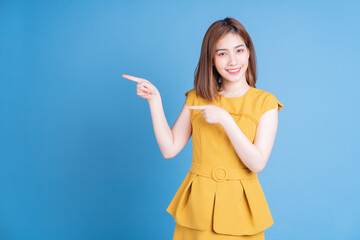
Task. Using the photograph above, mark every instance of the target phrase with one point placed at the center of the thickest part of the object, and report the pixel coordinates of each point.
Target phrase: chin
(233, 78)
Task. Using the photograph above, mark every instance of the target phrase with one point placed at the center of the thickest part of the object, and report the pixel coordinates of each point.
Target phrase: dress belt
(221, 174)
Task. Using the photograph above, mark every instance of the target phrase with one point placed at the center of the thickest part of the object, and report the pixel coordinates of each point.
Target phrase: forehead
(230, 40)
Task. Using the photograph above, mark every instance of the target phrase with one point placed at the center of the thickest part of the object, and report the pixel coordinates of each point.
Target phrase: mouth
(233, 71)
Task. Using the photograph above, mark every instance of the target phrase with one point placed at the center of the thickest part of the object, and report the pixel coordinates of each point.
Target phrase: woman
(233, 125)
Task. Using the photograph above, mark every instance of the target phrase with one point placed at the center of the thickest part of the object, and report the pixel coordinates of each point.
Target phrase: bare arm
(254, 156)
(171, 141)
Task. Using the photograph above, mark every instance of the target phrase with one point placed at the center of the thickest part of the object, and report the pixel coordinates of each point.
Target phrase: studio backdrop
(78, 154)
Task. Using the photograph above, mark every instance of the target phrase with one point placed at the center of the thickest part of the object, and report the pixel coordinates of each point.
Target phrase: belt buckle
(218, 174)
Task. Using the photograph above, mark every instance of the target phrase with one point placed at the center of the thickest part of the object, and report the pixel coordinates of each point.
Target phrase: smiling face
(231, 57)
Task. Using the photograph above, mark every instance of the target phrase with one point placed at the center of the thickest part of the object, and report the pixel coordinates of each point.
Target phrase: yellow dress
(220, 198)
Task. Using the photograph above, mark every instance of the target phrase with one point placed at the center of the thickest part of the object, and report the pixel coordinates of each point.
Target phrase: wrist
(225, 119)
(154, 99)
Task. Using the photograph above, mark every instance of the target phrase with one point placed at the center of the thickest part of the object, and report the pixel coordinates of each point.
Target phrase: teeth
(234, 70)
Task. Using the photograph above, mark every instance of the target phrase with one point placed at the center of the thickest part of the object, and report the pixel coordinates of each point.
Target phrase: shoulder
(261, 95)
(265, 101)
(190, 97)
(190, 92)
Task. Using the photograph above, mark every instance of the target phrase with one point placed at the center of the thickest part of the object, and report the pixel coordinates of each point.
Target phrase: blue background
(79, 158)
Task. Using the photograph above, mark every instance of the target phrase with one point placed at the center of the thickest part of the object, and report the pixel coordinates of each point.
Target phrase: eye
(241, 50)
(221, 54)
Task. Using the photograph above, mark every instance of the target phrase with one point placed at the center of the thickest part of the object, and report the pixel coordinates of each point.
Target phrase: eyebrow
(226, 49)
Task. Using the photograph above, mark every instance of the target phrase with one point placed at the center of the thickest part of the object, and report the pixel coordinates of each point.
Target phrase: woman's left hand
(211, 113)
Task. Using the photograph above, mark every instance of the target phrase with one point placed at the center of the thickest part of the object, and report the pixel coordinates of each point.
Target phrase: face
(231, 57)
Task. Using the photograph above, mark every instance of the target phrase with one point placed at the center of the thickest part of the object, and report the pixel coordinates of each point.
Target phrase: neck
(234, 88)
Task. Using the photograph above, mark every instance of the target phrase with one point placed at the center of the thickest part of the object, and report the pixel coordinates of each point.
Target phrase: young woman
(233, 125)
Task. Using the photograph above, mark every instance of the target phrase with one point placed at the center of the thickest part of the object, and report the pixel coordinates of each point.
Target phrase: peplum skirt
(218, 203)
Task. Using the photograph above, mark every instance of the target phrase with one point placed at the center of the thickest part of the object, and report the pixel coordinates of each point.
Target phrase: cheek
(219, 64)
(244, 61)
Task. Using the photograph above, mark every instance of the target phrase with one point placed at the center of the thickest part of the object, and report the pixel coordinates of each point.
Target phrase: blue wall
(78, 155)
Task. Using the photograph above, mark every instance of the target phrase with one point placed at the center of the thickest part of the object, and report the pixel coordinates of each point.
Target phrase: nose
(232, 60)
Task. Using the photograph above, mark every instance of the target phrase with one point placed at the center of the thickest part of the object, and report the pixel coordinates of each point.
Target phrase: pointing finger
(200, 107)
(135, 79)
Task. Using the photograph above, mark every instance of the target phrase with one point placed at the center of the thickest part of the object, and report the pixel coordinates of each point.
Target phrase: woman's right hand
(144, 89)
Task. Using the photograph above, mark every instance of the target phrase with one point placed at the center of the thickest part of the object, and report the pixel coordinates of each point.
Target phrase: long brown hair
(207, 78)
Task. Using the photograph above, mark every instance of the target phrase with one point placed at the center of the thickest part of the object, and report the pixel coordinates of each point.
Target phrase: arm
(171, 141)
(254, 156)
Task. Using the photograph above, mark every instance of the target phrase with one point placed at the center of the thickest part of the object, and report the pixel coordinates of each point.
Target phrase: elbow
(258, 168)
(167, 152)
(168, 155)
(170, 152)
(260, 164)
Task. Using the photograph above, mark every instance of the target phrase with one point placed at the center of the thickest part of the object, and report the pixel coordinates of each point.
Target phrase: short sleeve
(189, 97)
(271, 102)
